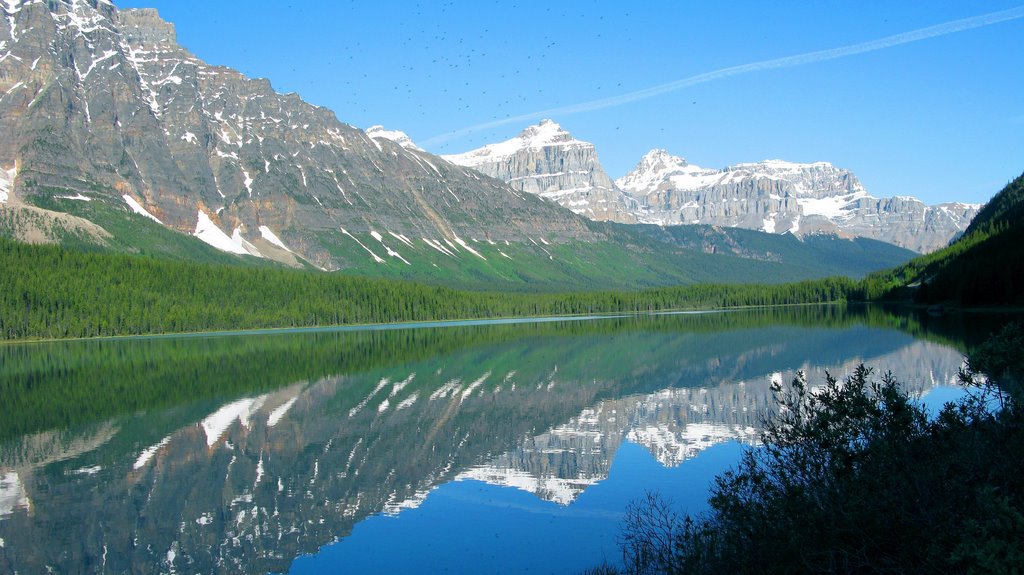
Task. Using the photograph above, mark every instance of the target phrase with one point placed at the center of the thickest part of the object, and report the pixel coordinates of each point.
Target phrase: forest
(50, 292)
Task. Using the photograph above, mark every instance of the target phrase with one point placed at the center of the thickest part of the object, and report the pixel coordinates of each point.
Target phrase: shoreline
(461, 322)
(499, 320)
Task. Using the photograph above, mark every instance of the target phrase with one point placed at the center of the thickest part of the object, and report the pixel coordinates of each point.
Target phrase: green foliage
(854, 477)
(629, 258)
(983, 267)
(815, 255)
(50, 292)
(1004, 210)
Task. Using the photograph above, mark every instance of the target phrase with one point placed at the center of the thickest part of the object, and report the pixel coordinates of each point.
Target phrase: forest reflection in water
(228, 454)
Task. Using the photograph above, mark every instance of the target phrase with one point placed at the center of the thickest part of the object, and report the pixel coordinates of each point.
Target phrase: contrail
(784, 62)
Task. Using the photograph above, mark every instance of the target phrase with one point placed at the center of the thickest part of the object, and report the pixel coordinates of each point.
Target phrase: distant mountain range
(773, 196)
(117, 137)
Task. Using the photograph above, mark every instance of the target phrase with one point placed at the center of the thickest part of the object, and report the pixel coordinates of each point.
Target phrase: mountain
(104, 113)
(116, 137)
(549, 162)
(983, 267)
(777, 196)
(772, 196)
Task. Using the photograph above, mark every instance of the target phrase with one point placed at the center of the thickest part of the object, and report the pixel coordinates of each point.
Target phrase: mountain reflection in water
(239, 454)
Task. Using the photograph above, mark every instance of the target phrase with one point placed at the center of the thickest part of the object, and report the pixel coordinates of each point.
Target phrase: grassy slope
(815, 255)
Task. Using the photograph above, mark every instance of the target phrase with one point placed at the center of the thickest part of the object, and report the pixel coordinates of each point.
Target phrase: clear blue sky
(941, 118)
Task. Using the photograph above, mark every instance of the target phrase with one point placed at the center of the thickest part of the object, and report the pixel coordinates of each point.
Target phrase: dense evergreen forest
(49, 292)
(983, 267)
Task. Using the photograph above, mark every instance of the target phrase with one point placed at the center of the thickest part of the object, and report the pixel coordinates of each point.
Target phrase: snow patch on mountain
(238, 240)
(7, 183)
(208, 231)
(138, 209)
(272, 238)
(375, 257)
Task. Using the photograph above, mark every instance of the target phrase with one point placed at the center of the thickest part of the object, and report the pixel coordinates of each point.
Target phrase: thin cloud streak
(774, 64)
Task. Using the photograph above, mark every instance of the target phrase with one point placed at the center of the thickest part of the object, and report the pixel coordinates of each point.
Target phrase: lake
(494, 447)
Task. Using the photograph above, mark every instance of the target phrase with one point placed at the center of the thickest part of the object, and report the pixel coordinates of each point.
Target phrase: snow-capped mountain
(547, 161)
(777, 197)
(397, 136)
(773, 196)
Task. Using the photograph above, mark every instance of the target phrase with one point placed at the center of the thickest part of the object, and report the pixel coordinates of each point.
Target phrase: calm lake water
(475, 448)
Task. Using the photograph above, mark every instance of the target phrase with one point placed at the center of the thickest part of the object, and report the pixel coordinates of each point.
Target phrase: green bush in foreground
(855, 477)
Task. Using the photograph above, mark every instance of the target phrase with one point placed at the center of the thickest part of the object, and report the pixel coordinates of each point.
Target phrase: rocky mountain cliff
(103, 106)
(777, 197)
(549, 162)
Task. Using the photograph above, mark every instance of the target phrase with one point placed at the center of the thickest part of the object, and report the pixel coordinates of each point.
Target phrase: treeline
(49, 292)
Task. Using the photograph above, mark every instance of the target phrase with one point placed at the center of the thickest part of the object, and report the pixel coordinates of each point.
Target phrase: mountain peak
(545, 134)
(397, 136)
(659, 158)
(547, 161)
(145, 26)
(656, 166)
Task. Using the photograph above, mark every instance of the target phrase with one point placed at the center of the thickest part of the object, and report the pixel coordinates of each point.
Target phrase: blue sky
(940, 117)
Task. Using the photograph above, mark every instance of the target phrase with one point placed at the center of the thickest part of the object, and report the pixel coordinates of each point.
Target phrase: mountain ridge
(774, 196)
(148, 126)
